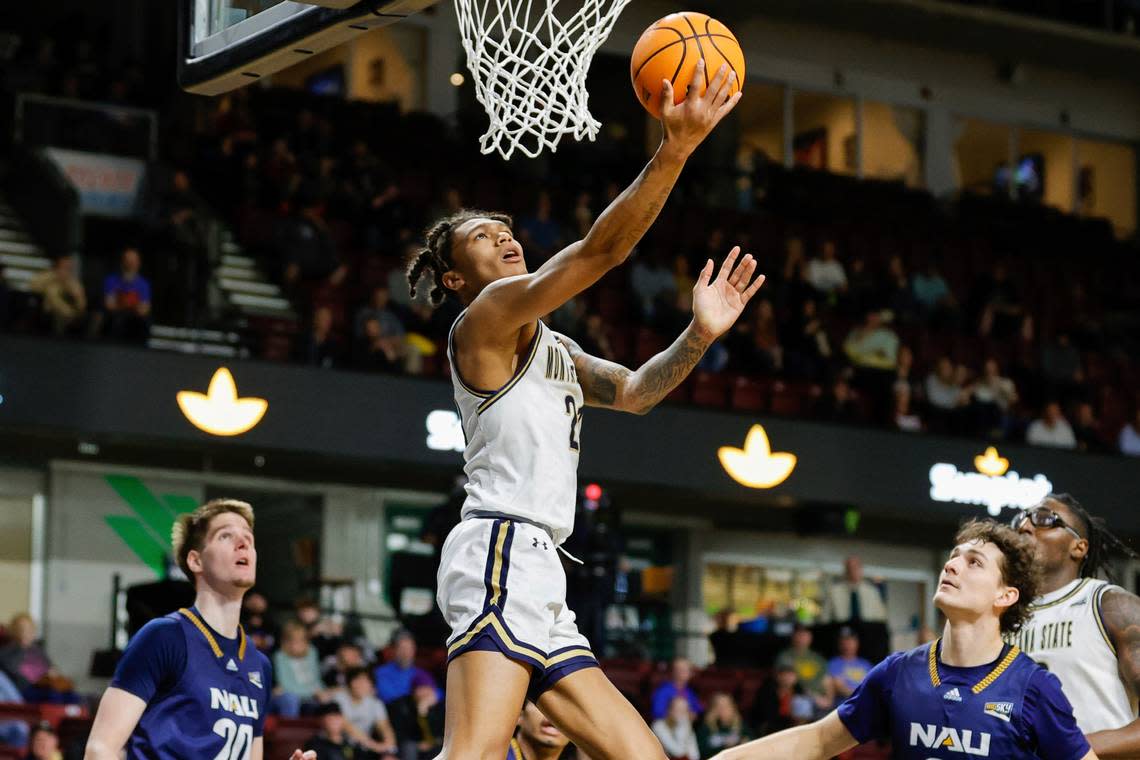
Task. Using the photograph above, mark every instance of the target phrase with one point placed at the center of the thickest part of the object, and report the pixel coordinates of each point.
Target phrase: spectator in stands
(898, 294)
(540, 232)
(1051, 429)
(825, 273)
(754, 344)
(13, 733)
(347, 659)
(296, 672)
(595, 340)
(991, 397)
(394, 678)
(675, 731)
(854, 599)
(1061, 366)
(258, 624)
(1002, 311)
(862, 288)
(63, 299)
(653, 284)
(365, 716)
(904, 371)
(377, 351)
(1129, 441)
(683, 273)
(418, 719)
(810, 668)
(838, 404)
(381, 308)
(332, 742)
(722, 727)
(873, 350)
(187, 269)
(781, 702)
(325, 633)
(126, 299)
(873, 345)
(905, 418)
(309, 253)
(807, 348)
(44, 743)
(793, 287)
(944, 396)
(847, 670)
(1086, 429)
(680, 674)
(22, 659)
(321, 348)
(932, 294)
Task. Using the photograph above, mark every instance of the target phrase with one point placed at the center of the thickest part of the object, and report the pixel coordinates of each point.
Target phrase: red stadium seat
(749, 395)
(710, 389)
(712, 680)
(289, 734)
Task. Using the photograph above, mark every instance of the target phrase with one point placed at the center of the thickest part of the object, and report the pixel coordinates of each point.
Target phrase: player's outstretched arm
(717, 303)
(119, 713)
(515, 301)
(825, 738)
(1120, 611)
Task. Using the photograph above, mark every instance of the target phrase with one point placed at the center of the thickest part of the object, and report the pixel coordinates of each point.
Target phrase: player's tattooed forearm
(657, 378)
(602, 382)
(1121, 613)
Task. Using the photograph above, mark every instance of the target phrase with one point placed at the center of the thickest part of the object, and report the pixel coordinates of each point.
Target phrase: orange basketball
(670, 49)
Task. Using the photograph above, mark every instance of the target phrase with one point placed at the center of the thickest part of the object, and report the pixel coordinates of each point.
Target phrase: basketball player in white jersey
(520, 389)
(1085, 630)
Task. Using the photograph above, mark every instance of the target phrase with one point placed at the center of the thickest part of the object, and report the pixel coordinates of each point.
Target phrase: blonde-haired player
(190, 684)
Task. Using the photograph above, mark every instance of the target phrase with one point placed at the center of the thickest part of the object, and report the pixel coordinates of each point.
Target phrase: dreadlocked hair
(437, 257)
(1103, 545)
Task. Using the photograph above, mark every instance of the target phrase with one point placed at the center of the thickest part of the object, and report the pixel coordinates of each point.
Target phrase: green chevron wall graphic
(147, 534)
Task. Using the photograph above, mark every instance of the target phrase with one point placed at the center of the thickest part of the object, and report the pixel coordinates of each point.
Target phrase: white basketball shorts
(502, 588)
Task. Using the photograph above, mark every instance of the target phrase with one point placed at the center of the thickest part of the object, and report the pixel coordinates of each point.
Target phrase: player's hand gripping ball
(669, 50)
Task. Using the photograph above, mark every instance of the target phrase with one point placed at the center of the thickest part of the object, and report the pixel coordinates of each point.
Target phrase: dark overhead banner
(161, 398)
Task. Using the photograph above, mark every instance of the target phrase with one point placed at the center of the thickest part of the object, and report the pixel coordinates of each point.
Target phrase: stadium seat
(709, 389)
(749, 395)
(288, 734)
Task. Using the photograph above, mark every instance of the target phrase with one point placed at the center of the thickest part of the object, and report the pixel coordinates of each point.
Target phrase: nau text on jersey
(932, 737)
(239, 705)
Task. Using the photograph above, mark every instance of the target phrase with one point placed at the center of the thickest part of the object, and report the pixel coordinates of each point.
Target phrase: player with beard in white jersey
(1085, 630)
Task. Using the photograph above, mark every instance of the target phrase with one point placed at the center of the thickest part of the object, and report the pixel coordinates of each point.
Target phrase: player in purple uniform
(966, 694)
(536, 738)
(189, 684)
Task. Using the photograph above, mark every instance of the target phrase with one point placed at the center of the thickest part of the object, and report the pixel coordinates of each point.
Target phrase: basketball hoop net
(530, 68)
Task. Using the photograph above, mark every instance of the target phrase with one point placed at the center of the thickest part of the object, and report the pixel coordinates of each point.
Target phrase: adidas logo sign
(231, 665)
(952, 696)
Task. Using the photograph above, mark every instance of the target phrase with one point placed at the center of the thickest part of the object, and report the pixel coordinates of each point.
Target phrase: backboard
(225, 44)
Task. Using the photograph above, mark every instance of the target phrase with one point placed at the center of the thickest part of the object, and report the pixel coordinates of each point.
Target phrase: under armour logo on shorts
(535, 542)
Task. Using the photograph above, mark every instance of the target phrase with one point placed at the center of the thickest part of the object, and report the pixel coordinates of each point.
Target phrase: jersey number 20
(575, 421)
(239, 739)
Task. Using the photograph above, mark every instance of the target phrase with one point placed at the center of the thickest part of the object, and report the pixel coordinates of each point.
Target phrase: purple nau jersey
(206, 695)
(1010, 709)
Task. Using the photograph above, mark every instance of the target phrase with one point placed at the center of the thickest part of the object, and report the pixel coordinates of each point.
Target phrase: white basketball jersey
(1067, 636)
(523, 439)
